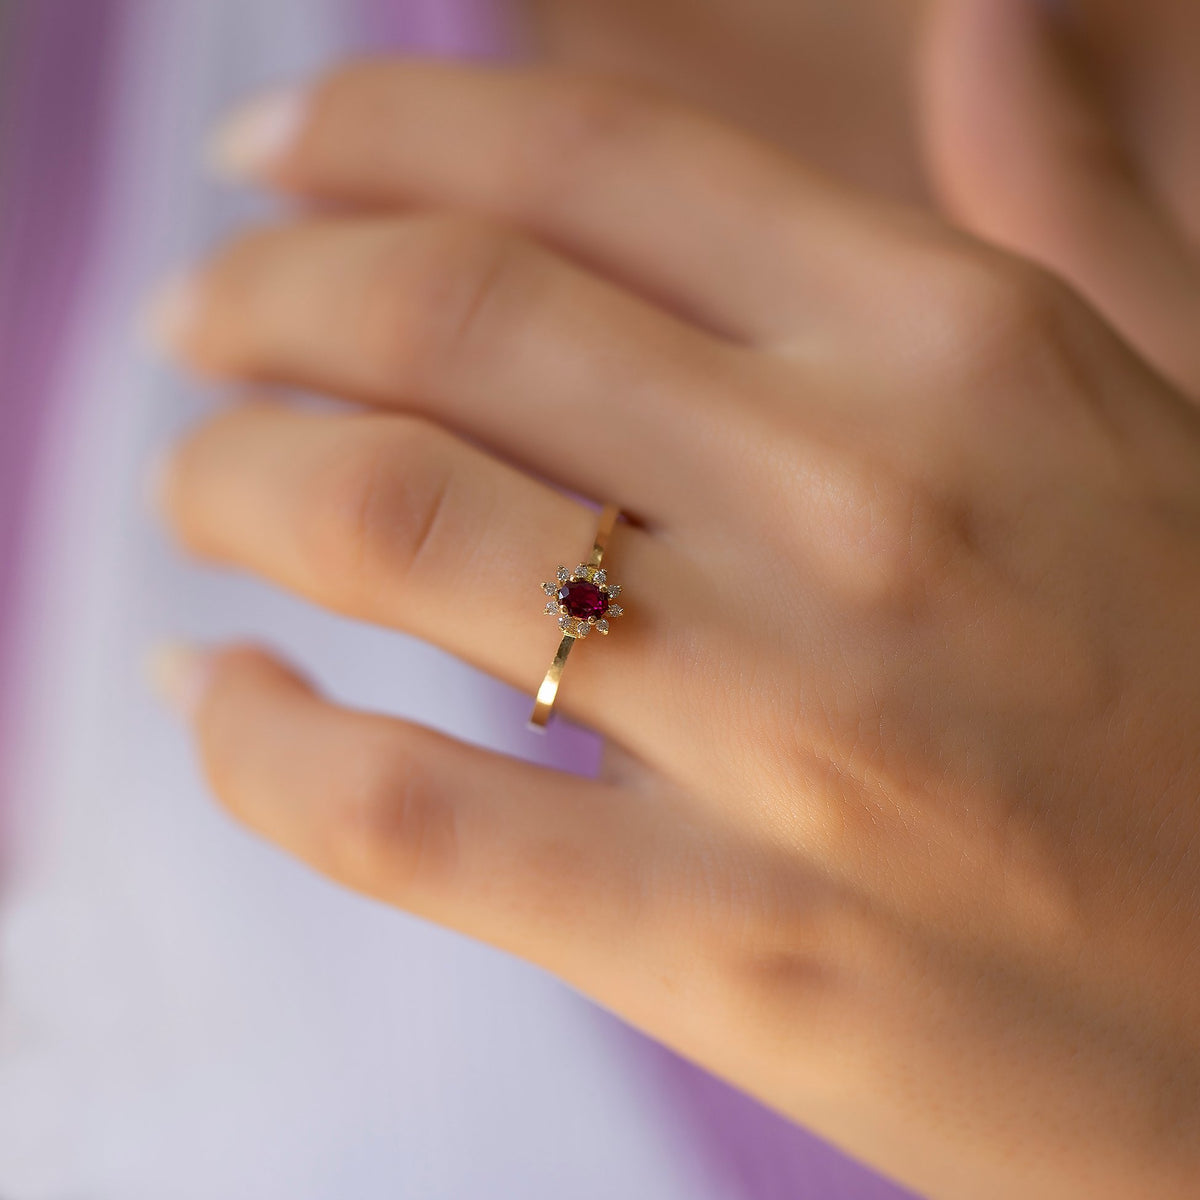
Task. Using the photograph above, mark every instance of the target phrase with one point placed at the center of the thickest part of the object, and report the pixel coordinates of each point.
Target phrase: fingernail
(178, 673)
(249, 141)
(170, 311)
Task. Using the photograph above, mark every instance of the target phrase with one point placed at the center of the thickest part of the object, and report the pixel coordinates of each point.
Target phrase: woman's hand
(904, 836)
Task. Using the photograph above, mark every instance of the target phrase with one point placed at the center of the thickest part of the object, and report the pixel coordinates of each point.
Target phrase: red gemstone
(582, 600)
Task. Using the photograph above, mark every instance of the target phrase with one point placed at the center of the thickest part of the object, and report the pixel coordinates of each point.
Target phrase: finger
(394, 520)
(688, 210)
(570, 873)
(483, 330)
(1023, 153)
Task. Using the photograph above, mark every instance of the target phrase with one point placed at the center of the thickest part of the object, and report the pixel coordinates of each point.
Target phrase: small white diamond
(549, 588)
(615, 610)
(613, 590)
(552, 608)
(583, 630)
(581, 571)
(602, 626)
(563, 574)
(565, 623)
(601, 579)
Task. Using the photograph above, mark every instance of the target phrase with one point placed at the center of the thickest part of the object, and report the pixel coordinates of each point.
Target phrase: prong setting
(582, 600)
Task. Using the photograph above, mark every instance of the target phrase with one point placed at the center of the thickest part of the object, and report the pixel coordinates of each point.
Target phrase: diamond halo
(583, 600)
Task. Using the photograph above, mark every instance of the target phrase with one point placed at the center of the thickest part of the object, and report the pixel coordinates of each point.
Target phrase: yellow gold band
(548, 692)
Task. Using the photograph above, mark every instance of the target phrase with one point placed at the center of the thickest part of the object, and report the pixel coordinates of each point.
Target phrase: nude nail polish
(253, 138)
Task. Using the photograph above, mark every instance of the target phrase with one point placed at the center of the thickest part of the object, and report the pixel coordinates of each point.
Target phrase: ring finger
(394, 520)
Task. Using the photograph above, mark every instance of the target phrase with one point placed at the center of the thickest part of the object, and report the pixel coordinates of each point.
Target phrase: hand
(904, 834)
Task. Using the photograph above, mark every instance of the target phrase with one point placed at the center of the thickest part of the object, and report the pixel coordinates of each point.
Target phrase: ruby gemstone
(582, 600)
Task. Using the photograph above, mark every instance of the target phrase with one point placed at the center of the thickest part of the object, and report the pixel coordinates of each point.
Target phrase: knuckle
(794, 966)
(996, 317)
(391, 830)
(432, 295)
(889, 540)
(373, 512)
(912, 539)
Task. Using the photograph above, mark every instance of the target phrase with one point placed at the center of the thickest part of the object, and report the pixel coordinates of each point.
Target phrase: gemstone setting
(582, 600)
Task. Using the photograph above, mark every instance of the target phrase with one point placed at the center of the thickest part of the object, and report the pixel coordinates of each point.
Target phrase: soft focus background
(183, 1012)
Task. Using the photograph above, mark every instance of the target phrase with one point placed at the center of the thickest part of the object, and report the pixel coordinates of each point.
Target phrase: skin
(829, 81)
(899, 829)
(1063, 130)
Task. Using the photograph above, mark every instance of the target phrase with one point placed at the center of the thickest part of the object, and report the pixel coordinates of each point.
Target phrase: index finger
(687, 209)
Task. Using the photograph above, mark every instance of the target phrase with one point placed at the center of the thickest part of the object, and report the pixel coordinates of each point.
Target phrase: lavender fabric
(60, 55)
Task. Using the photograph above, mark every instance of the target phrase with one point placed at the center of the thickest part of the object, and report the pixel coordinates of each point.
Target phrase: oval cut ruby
(582, 599)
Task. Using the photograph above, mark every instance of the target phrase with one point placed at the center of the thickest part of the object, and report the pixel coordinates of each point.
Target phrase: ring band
(583, 601)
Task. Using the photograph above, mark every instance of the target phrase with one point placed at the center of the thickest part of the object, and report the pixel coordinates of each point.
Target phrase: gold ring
(583, 600)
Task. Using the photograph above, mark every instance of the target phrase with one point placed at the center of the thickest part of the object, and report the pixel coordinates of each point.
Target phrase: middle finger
(478, 328)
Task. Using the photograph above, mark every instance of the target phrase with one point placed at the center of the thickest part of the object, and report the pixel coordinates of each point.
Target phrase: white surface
(185, 1012)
